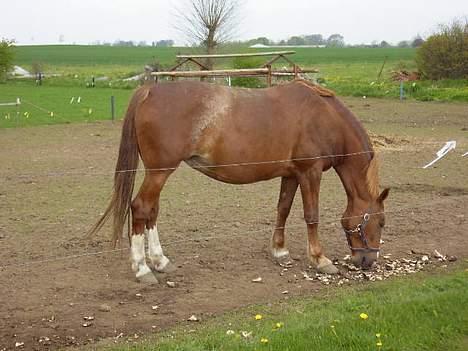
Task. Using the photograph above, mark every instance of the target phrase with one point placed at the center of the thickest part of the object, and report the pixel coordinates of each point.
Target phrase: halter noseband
(360, 230)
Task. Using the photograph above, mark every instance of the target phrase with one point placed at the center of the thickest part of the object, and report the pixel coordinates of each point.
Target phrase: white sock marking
(155, 252)
(279, 253)
(139, 265)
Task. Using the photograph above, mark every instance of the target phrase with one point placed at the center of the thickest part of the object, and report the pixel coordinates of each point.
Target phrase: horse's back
(208, 124)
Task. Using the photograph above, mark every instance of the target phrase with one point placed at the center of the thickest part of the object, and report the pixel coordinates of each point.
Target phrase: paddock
(56, 180)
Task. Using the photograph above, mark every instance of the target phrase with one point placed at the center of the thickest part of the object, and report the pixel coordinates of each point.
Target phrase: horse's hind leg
(286, 197)
(145, 207)
(155, 253)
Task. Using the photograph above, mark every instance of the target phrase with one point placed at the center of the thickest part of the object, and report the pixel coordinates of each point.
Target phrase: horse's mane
(372, 177)
(317, 89)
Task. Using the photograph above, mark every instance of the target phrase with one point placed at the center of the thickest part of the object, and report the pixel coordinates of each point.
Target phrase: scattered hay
(405, 76)
(380, 271)
(382, 141)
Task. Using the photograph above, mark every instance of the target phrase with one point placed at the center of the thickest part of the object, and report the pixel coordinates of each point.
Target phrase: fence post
(269, 76)
(113, 108)
(402, 91)
(18, 103)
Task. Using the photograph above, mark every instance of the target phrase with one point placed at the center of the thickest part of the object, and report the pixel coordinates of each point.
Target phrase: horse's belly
(239, 172)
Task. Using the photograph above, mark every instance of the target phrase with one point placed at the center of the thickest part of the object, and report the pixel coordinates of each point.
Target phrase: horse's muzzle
(365, 260)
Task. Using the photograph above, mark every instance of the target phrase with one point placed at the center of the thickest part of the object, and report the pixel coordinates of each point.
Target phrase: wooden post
(18, 103)
(269, 76)
(113, 108)
(402, 91)
(296, 71)
(381, 69)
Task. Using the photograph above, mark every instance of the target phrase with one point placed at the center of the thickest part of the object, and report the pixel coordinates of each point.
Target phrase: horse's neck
(353, 175)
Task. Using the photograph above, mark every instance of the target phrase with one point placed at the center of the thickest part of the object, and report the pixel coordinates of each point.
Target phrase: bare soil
(56, 180)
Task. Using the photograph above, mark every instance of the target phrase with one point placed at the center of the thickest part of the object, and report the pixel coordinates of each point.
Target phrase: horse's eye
(382, 224)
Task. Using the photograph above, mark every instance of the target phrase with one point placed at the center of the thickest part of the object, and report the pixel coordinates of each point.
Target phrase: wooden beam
(247, 72)
(253, 54)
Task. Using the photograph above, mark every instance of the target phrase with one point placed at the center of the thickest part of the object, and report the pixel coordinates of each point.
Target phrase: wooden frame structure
(265, 71)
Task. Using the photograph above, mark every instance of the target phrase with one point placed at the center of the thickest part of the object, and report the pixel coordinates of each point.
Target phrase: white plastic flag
(449, 145)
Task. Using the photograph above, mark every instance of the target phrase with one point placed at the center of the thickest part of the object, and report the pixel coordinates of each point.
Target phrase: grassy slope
(348, 71)
(52, 104)
(417, 313)
(84, 55)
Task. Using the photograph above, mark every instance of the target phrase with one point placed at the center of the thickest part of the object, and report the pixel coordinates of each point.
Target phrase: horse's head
(363, 232)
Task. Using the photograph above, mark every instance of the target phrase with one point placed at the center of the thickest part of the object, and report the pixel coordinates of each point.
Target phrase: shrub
(445, 53)
(247, 82)
(6, 57)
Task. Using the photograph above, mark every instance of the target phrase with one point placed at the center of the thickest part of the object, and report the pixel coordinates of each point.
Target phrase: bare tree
(208, 23)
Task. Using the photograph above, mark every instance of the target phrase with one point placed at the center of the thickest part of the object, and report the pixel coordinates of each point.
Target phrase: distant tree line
(159, 43)
(334, 40)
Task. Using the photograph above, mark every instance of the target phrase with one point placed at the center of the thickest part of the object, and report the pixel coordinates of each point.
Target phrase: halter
(360, 229)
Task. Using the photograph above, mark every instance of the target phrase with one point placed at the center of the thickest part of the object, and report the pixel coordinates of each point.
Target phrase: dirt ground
(56, 180)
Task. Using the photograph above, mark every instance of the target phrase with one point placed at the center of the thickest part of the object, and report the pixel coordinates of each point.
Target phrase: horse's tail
(125, 172)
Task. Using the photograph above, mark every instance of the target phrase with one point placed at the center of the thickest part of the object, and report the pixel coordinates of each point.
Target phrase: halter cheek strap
(360, 230)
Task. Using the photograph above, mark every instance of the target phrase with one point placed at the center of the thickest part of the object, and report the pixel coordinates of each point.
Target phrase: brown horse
(294, 131)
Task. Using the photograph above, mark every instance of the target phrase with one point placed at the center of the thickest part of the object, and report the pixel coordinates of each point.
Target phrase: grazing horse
(294, 131)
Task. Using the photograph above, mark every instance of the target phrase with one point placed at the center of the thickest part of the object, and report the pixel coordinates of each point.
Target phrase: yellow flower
(279, 325)
(258, 317)
(379, 343)
(363, 316)
(377, 335)
(264, 340)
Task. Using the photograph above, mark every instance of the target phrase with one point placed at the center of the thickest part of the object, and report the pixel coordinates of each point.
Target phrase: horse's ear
(383, 195)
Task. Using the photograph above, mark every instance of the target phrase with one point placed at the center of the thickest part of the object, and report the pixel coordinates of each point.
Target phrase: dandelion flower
(379, 343)
(258, 317)
(279, 325)
(363, 316)
(230, 332)
(377, 335)
(264, 340)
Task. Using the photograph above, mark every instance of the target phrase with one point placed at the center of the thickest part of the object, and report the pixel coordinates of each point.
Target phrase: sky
(89, 21)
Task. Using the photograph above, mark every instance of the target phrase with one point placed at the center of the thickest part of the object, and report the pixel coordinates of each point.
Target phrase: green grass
(51, 105)
(69, 68)
(90, 55)
(418, 313)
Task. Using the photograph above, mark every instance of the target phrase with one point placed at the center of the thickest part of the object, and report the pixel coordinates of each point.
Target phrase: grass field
(348, 71)
(423, 313)
(53, 104)
(81, 55)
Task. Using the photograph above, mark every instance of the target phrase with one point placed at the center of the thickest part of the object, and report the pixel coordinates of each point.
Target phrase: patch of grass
(418, 313)
(92, 55)
(52, 105)
(348, 71)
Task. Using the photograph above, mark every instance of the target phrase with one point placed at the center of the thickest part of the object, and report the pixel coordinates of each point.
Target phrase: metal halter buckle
(362, 235)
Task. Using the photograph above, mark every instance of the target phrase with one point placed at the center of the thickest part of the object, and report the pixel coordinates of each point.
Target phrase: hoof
(280, 254)
(168, 268)
(148, 278)
(328, 269)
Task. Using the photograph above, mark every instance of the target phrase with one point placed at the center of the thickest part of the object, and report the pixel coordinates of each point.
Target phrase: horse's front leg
(310, 188)
(286, 198)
